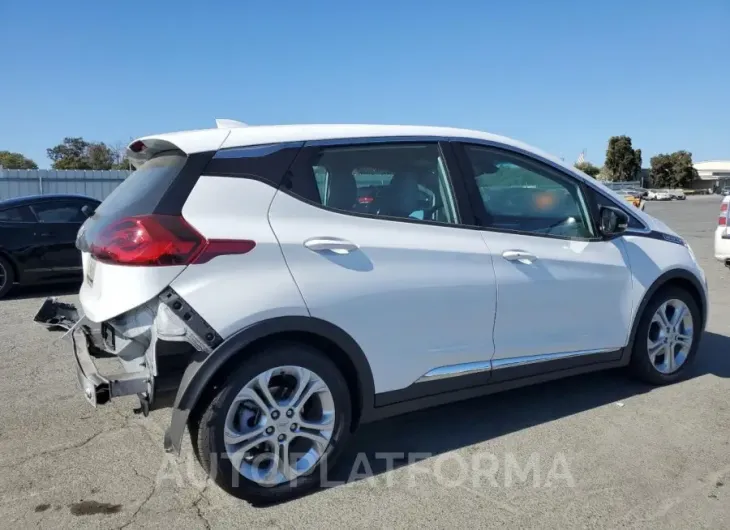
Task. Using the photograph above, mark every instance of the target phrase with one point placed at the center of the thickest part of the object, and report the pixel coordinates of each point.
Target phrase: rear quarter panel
(234, 291)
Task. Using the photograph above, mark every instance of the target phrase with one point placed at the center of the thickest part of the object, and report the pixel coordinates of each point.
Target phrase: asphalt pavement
(594, 451)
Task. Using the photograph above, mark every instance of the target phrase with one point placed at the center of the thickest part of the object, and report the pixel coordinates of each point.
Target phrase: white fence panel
(22, 182)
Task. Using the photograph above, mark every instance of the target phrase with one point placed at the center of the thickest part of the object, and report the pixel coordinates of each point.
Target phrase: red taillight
(222, 247)
(158, 240)
(723, 207)
(365, 200)
(722, 221)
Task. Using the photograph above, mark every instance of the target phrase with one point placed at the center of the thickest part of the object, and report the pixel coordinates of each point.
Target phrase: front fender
(204, 367)
(664, 279)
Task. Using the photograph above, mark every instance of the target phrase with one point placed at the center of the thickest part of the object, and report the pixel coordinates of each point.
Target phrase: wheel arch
(13, 264)
(677, 277)
(203, 373)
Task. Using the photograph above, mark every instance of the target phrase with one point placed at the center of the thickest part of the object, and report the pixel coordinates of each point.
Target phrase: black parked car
(38, 238)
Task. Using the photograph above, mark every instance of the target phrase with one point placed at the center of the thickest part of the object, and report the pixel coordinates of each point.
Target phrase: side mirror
(87, 210)
(612, 221)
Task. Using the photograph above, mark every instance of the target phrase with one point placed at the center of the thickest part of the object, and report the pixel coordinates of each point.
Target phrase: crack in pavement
(196, 505)
(144, 502)
(62, 449)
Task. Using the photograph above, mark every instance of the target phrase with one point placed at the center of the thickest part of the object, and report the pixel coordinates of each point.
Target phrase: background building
(712, 173)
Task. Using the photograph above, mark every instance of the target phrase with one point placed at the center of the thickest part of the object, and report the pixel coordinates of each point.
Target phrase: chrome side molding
(532, 359)
(457, 370)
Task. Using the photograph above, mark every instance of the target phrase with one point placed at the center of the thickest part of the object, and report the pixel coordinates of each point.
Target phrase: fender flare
(661, 281)
(204, 367)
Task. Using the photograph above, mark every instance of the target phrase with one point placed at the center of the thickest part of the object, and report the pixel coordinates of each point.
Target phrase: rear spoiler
(229, 124)
(141, 150)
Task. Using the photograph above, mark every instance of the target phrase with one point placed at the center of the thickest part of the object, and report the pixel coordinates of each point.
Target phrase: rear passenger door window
(403, 181)
(522, 195)
(59, 212)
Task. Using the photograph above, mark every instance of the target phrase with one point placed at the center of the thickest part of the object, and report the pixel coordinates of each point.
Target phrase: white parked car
(722, 233)
(289, 283)
(677, 194)
(661, 195)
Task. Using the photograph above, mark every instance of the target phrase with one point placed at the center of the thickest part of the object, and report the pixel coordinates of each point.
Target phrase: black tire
(641, 367)
(7, 276)
(207, 424)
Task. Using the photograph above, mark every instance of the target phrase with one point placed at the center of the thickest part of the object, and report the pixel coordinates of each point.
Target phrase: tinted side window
(59, 212)
(21, 214)
(406, 181)
(521, 194)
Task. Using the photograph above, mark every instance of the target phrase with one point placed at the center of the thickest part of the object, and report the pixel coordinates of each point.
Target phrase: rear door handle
(519, 255)
(333, 244)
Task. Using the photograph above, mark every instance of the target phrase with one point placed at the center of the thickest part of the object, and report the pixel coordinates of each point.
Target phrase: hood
(655, 224)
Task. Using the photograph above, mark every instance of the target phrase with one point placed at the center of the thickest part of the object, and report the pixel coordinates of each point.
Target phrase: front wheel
(667, 338)
(276, 425)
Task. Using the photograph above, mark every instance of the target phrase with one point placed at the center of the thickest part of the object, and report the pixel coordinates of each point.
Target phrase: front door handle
(519, 255)
(333, 244)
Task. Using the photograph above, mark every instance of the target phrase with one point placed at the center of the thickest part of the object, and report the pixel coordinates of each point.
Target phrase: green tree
(588, 168)
(673, 170)
(9, 160)
(100, 156)
(684, 171)
(623, 162)
(661, 171)
(70, 154)
(77, 153)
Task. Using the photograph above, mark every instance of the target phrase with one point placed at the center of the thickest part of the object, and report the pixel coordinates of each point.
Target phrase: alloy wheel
(670, 336)
(279, 425)
(3, 276)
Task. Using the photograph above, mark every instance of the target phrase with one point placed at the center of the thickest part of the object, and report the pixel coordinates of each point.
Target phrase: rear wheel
(276, 425)
(667, 338)
(7, 277)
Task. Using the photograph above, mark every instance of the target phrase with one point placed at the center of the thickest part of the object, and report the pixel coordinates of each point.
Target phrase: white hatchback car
(289, 283)
(722, 236)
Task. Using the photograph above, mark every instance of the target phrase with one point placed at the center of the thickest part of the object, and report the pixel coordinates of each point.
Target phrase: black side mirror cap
(87, 210)
(612, 221)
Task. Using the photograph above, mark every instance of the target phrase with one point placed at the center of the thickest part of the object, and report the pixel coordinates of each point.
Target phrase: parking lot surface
(595, 451)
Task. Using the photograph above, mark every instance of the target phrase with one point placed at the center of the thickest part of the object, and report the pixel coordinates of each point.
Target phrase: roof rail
(229, 124)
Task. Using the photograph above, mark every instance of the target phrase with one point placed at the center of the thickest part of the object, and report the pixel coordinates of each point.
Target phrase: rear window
(142, 190)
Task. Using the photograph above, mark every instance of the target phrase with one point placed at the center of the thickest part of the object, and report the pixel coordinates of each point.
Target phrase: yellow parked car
(632, 199)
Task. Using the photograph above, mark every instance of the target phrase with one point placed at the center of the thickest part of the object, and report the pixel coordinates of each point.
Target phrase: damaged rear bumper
(86, 340)
(159, 346)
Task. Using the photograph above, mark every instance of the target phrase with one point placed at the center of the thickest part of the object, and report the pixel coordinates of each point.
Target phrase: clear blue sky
(561, 75)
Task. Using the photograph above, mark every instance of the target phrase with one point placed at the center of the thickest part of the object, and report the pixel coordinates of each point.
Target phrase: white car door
(562, 291)
(371, 236)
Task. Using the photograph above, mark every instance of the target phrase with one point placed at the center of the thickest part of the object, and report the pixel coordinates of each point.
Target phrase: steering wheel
(428, 212)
